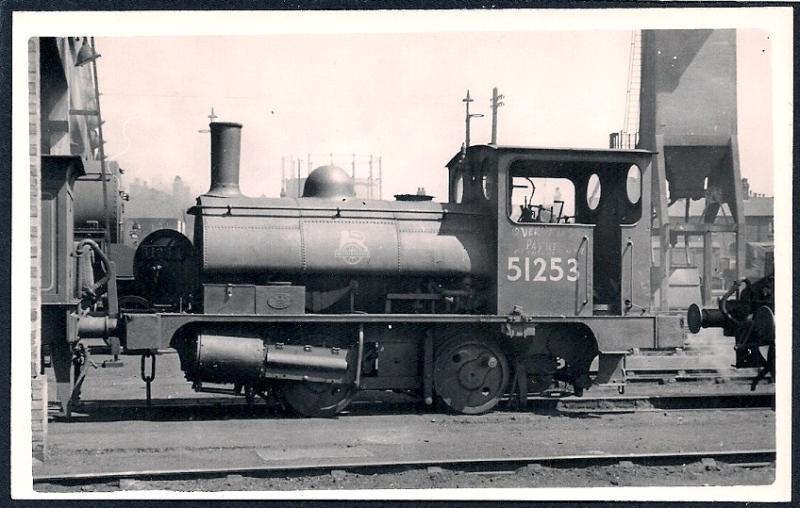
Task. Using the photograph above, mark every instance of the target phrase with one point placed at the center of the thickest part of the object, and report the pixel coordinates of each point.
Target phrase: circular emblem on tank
(279, 301)
(352, 249)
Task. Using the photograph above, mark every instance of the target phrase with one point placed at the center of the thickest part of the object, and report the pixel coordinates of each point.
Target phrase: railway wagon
(76, 277)
(538, 264)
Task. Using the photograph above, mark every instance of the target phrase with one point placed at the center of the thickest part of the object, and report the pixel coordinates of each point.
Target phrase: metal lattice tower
(630, 128)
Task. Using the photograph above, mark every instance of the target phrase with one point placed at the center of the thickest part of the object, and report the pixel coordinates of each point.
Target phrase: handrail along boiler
(509, 286)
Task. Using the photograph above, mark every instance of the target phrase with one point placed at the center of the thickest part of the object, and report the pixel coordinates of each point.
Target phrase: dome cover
(329, 182)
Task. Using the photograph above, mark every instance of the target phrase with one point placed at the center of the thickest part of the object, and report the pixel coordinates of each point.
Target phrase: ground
(115, 434)
(526, 477)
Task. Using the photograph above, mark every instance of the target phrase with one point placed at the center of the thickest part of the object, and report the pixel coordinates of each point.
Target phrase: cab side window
(541, 200)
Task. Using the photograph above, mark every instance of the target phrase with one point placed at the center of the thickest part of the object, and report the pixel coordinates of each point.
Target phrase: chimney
(226, 141)
(746, 189)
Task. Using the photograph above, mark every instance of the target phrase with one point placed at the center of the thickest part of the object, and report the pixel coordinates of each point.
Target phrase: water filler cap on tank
(329, 182)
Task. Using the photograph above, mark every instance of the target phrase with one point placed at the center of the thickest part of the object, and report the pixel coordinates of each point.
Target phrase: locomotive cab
(570, 236)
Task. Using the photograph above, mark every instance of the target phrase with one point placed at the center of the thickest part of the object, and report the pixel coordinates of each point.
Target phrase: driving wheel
(317, 399)
(322, 399)
(470, 375)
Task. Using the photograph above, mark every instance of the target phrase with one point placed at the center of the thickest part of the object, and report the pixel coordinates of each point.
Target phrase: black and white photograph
(402, 255)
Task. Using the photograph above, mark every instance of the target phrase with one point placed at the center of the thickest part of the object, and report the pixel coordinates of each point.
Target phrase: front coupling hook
(148, 378)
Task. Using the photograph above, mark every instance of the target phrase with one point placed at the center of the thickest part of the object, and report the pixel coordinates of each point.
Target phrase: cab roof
(591, 153)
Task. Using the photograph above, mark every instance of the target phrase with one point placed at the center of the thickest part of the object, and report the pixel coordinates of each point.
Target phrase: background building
(686, 260)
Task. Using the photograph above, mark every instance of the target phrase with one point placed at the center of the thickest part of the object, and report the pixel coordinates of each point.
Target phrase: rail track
(492, 465)
(137, 409)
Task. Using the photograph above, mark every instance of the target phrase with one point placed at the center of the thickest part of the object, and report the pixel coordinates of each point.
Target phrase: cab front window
(458, 187)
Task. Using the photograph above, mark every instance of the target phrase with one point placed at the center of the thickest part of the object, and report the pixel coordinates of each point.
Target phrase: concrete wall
(38, 379)
(688, 84)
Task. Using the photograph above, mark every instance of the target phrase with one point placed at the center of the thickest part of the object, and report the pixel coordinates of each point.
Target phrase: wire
(183, 96)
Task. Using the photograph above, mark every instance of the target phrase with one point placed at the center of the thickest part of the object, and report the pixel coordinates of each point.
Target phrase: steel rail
(624, 403)
(659, 402)
(745, 457)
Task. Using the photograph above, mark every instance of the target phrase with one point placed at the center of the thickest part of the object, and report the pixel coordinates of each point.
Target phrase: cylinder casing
(224, 358)
(291, 359)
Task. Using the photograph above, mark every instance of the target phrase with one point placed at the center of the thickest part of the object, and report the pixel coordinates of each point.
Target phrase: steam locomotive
(747, 313)
(515, 283)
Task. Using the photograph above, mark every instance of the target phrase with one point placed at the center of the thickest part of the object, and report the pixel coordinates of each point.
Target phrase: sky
(397, 96)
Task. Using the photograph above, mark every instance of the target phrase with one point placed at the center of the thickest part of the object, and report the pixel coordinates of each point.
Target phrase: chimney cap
(226, 124)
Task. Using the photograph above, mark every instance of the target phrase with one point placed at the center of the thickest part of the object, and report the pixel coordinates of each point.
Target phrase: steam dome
(329, 182)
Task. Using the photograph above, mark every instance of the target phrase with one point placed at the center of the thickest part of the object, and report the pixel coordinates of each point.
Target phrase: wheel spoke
(470, 375)
(317, 399)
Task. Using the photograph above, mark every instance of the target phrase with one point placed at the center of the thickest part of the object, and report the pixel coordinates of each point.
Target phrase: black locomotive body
(315, 298)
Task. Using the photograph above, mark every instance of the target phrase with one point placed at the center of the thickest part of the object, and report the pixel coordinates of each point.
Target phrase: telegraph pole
(380, 177)
(211, 118)
(497, 101)
(468, 117)
(369, 187)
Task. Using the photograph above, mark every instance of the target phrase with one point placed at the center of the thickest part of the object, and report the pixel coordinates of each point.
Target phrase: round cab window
(458, 187)
(633, 184)
(487, 180)
(593, 192)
